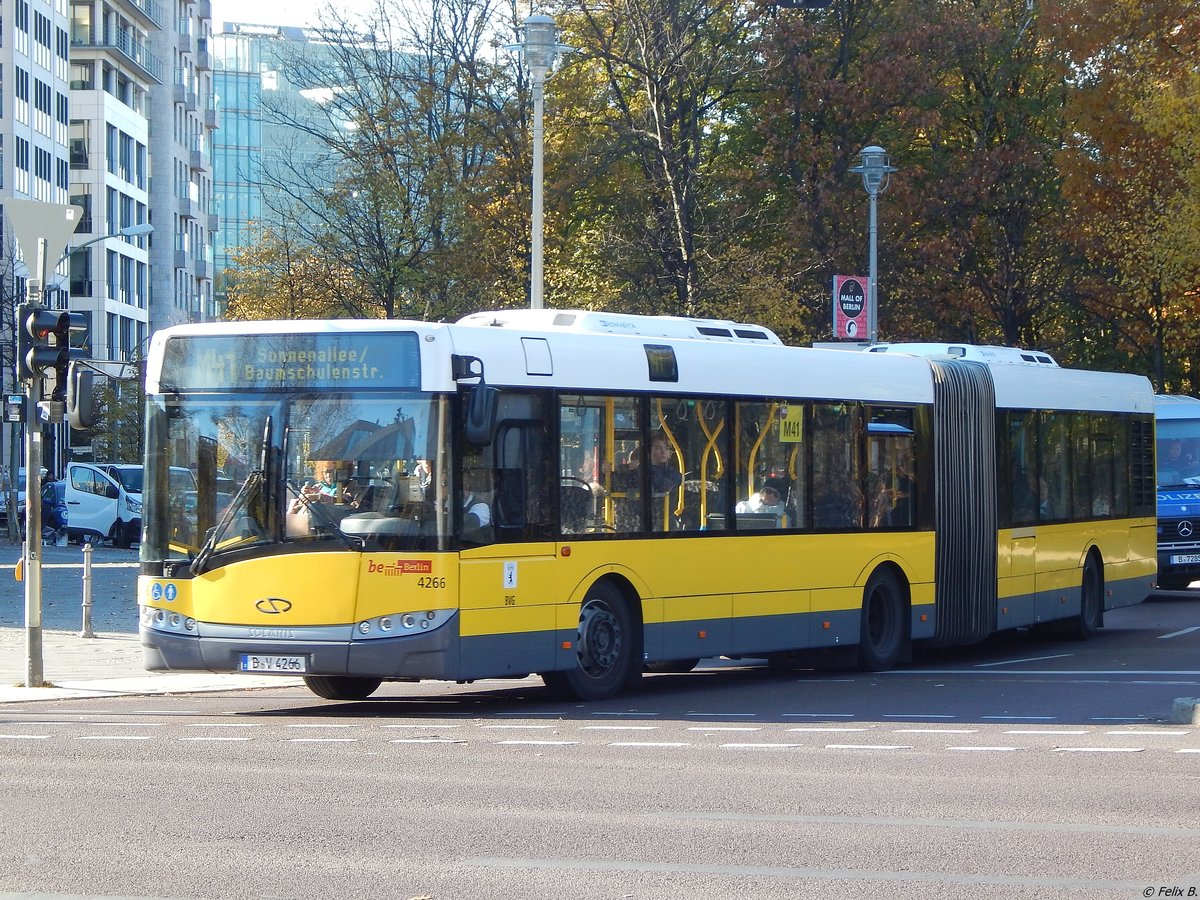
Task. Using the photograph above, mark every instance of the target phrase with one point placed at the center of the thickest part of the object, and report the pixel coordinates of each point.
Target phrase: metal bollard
(87, 591)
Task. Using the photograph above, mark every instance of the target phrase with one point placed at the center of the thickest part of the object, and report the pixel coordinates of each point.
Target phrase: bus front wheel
(604, 648)
(882, 633)
(342, 688)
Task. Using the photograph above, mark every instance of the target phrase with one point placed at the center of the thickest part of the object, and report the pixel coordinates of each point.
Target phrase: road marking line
(1097, 749)
(426, 741)
(760, 746)
(324, 725)
(322, 740)
(826, 729)
(214, 737)
(1013, 662)
(649, 744)
(1146, 732)
(540, 743)
(24, 737)
(1189, 750)
(720, 715)
(525, 727)
(724, 728)
(429, 725)
(1022, 718)
(1047, 731)
(619, 727)
(996, 749)
(934, 730)
(222, 725)
(867, 747)
(1175, 634)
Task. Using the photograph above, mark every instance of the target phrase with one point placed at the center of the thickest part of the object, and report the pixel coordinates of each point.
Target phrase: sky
(277, 12)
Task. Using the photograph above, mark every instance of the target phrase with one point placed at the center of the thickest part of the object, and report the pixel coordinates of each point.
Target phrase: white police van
(104, 501)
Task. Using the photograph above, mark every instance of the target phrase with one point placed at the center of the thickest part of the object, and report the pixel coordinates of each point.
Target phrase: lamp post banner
(850, 293)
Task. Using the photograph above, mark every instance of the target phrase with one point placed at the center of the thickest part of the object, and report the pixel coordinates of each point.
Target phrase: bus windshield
(343, 468)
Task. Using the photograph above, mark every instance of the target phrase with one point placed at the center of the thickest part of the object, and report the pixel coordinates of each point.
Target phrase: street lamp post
(876, 174)
(539, 46)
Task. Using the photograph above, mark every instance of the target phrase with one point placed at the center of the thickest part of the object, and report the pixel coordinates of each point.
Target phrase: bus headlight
(397, 625)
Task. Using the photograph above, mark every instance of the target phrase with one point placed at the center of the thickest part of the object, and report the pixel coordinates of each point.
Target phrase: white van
(104, 501)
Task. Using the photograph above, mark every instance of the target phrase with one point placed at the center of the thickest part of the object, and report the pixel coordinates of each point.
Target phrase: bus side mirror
(81, 397)
(480, 424)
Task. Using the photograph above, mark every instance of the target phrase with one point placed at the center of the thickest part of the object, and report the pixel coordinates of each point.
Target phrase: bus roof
(1176, 406)
(988, 353)
(592, 352)
(592, 322)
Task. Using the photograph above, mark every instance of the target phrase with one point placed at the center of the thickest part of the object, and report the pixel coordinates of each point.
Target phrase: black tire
(1091, 602)
(884, 630)
(123, 535)
(341, 687)
(607, 650)
(672, 666)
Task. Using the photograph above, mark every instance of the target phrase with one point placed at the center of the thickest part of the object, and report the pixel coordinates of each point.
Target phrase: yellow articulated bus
(590, 496)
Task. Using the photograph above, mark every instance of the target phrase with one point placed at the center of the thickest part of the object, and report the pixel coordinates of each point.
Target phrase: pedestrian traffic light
(44, 342)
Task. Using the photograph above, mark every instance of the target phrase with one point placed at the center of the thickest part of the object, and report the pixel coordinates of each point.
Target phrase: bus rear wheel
(882, 633)
(332, 687)
(1091, 602)
(604, 648)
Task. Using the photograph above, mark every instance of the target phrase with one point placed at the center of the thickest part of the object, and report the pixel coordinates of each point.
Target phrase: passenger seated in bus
(664, 473)
(770, 498)
(477, 514)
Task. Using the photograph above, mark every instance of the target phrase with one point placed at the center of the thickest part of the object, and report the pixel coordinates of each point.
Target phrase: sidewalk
(105, 665)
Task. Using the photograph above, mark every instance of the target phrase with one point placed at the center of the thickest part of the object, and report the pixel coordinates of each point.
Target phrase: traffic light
(44, 342)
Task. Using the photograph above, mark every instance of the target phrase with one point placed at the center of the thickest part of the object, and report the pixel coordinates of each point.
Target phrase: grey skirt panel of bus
(966, 511)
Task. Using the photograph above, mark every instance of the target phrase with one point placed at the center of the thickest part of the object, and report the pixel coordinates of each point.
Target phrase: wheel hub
(599, 644)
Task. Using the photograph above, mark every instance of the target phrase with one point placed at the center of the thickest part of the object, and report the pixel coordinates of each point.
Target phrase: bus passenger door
(507, 596)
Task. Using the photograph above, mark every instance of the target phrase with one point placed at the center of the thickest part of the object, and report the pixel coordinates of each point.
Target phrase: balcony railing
(151, 9)
(121, 43)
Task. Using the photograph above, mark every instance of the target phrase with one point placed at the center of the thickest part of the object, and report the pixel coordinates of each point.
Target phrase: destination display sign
(293, 361)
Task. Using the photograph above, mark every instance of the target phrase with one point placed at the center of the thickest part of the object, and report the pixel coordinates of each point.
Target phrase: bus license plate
(1185, 559)
(253, 662)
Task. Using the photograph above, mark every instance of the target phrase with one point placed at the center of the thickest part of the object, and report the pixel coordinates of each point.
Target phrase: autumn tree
(409, 120)
(1132, 172)
(279, 278)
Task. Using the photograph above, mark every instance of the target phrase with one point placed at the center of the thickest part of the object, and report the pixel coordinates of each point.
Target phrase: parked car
(54, 507)
(104, 500)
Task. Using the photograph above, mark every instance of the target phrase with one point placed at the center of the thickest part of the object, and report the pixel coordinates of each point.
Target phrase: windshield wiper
(254, 479)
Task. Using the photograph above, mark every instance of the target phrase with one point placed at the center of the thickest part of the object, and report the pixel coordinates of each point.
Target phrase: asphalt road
(1022, 768)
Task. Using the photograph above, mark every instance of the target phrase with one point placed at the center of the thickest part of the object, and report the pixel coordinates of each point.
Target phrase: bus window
(599, 488)
(891, 475)
(764, 459)
(1023, 476)
(687, 457)
(837, 465)
(1054, 433)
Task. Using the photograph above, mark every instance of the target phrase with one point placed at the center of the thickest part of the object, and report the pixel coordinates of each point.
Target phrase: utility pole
(37, 227)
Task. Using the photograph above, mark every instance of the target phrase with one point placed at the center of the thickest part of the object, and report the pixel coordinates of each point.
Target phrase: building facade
(183, 120)
(256, 153)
